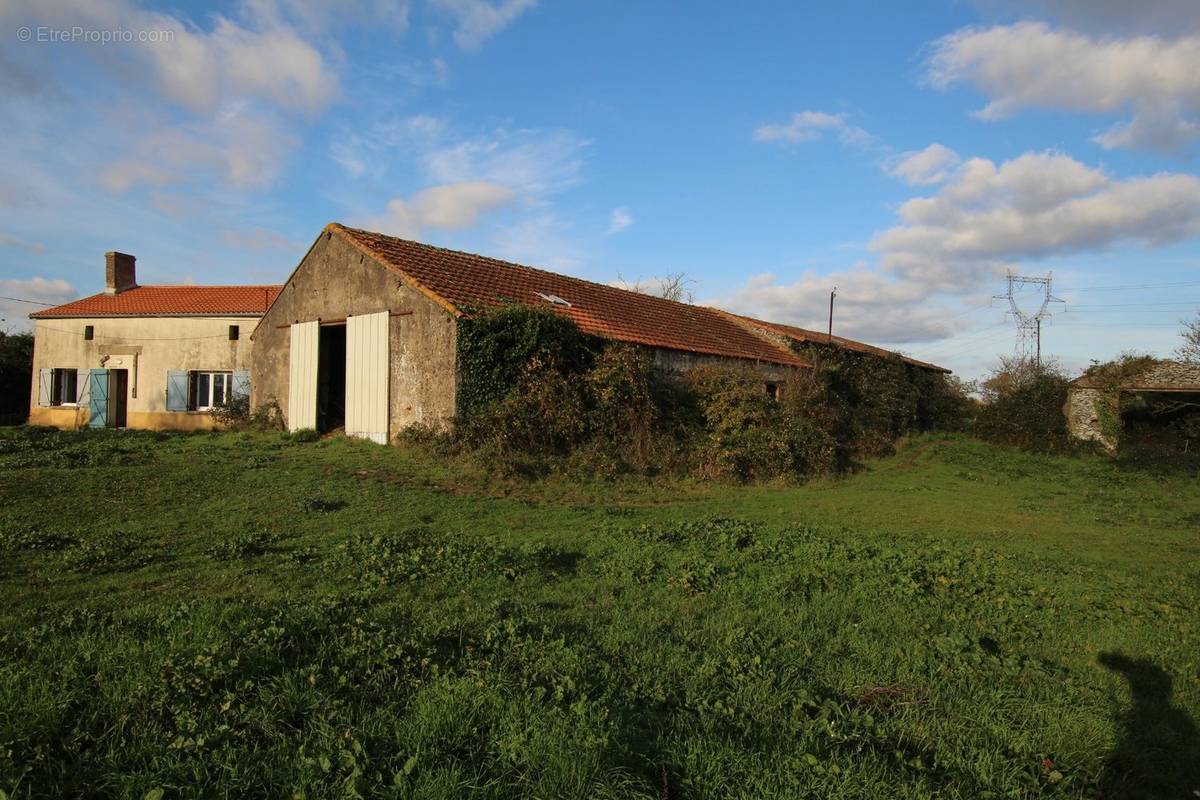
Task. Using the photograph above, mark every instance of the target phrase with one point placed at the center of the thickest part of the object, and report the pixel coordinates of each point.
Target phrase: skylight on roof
(554, 300)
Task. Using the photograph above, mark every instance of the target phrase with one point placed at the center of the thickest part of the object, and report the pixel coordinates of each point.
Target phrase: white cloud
(983, 218)
(619, 220)
(1033, 206)
(479, 20)
(531, 162)
(870, 306)
(196, 69)
(242, 150)
(7, 240)
(1031, 65)
(50, 291)
(923, 167)
(455, 206)
(806, 126)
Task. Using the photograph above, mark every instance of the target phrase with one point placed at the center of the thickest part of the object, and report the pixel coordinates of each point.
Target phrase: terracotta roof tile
(805, 335)
(463, 282)
(170, 301)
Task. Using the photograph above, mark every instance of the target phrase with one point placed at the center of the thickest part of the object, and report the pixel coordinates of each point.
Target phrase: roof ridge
(539, 270)
(819, 336)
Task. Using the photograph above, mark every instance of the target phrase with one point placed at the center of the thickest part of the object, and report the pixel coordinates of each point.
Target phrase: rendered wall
(336, 280)
(157, 344)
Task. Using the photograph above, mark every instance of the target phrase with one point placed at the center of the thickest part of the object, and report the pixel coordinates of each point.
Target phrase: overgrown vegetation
(1189, 350)
(336, 619)
(16, 374)
(1023, 406)
(236, 415)
(536, 394)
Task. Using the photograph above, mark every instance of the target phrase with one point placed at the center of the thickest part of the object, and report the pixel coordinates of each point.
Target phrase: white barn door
(367, 376)
(302, 376)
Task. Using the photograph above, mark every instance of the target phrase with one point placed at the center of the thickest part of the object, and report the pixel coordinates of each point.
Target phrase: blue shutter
(177, 390)
(45, 386)
(98, 402)
(239, 386)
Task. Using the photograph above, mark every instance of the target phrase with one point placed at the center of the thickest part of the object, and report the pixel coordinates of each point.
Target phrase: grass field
(241, 615)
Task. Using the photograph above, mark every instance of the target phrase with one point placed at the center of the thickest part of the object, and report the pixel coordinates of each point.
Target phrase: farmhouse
(155, 357)
(364, 334)
(363, 337)
(1157, 401)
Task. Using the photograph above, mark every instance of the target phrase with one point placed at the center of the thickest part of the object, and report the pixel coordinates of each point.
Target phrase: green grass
(246, 615)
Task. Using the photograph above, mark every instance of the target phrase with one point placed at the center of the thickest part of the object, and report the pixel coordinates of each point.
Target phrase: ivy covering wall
(535, 393)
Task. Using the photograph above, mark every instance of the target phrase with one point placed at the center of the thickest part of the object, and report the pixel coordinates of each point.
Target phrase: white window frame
(206, 403)
(56, 386)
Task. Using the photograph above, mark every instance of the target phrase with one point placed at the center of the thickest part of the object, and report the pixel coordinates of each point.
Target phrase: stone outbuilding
(153, 357)
(1099, 408)
(363, 335)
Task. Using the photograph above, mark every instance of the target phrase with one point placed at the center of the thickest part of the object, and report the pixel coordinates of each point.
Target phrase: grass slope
(245, 615)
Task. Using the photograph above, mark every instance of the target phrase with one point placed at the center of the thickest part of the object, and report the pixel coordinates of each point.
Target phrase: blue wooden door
(98, 394)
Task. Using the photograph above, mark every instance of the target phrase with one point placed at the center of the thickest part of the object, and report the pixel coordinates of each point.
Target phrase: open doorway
(331, 378)
(118, 394)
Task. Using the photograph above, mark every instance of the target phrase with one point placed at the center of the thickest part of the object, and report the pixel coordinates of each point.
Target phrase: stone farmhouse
(362, 337)
(153, 357)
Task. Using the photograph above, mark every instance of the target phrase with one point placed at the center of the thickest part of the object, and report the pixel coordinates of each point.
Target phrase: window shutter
(240, 385)
(177, 390)
(81, 386)
(45, 386)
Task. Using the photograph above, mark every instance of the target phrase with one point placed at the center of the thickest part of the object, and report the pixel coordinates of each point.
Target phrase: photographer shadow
(1158, 755)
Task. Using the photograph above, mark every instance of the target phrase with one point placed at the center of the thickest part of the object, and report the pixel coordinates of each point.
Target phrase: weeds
(850, 639)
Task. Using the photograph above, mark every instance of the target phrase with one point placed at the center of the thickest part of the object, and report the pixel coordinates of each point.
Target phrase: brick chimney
(119, 273)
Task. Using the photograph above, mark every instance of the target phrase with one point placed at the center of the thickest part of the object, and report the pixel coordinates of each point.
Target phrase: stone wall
(1170, 373)
(1083, 415)
(676, 362)
(335, 280)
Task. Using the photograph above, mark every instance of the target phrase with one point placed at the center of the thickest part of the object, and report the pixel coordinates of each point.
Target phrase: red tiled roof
(463, 282)
(170, 301)
(805, 335)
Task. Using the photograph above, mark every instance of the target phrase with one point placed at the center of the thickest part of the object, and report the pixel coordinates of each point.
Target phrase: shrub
(749, 435)
(499, 350)
(236, 415)
(1023, 406)
(16, 372)
(536, 394)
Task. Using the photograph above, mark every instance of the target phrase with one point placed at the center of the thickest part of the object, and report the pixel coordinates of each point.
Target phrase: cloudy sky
(908, 153)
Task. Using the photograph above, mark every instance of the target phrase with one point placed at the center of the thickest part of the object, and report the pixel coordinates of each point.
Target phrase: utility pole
(832, 295)
(1038, 357)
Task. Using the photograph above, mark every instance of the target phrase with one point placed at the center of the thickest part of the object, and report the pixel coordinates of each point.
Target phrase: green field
(239, 615)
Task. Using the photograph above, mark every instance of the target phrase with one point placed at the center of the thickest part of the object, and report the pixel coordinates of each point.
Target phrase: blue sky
(908, 153)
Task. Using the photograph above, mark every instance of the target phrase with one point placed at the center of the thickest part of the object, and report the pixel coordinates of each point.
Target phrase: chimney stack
(119, 273)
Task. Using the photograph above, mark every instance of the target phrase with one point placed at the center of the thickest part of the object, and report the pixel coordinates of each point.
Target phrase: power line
(31, 302)
(1129, 287)
(1190, 303)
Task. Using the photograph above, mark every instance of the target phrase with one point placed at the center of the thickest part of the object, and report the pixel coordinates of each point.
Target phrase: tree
(1189, 351)
(16, 372)
(675, 286)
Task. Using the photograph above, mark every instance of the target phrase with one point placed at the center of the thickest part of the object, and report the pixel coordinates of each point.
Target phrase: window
(89, 332)
(235, 331)
(64, 384)
(209, 390)
(774, 391)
